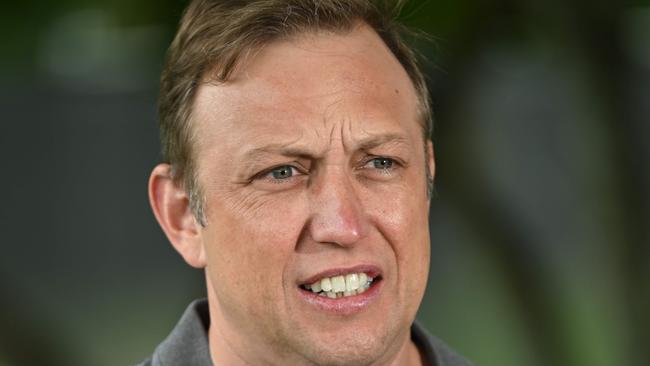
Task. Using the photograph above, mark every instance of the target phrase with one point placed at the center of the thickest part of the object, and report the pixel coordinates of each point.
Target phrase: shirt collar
(188, 343)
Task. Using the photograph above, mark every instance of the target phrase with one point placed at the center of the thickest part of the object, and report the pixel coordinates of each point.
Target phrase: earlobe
(171, 206)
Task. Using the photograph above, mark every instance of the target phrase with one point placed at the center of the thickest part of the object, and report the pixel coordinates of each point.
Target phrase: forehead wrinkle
(365, 140)
(331, 138)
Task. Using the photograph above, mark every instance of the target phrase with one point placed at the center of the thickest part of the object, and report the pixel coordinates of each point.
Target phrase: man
(298, 175)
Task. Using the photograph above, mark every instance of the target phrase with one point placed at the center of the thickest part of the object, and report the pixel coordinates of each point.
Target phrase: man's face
(312, 163)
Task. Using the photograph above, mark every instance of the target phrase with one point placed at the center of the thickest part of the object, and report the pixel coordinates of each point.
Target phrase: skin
(336, 203)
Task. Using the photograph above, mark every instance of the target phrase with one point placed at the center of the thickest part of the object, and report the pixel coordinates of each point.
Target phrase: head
(296, 140)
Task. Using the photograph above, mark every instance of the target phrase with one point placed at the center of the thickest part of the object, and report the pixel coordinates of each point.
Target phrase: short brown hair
(213, 37)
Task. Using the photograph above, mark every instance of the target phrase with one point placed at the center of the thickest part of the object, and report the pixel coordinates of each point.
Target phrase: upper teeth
(348, 285)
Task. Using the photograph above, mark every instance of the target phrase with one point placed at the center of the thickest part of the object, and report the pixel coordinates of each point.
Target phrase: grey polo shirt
(187, 345)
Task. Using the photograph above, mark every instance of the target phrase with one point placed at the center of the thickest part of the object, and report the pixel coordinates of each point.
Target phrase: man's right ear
(171, 206)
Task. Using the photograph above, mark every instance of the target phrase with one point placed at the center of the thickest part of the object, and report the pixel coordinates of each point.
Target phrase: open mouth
(351, 284)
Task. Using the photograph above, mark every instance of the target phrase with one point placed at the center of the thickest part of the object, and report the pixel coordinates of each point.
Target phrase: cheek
(250, 241)
(400, 210)
(401, 215)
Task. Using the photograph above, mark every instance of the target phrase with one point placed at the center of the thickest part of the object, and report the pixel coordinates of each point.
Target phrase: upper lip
(370, 269)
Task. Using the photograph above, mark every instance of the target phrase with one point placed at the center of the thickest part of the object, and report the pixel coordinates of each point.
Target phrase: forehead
(305, 86)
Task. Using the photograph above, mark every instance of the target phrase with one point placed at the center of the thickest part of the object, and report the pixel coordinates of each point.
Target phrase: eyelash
(393, 164)
(267, 175)
(296, 172)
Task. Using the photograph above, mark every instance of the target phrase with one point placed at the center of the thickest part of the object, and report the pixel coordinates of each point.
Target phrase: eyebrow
(367, 143)
(276, 148)
(373, 141)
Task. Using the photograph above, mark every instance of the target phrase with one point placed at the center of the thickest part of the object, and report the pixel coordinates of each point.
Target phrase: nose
(337, 215)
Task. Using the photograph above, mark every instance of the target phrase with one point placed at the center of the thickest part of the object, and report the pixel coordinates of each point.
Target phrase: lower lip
(346, 305)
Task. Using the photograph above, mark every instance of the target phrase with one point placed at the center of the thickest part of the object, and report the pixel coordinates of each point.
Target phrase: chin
(347, 346)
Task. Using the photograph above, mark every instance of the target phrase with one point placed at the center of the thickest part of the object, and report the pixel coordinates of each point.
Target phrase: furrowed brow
(364, 144)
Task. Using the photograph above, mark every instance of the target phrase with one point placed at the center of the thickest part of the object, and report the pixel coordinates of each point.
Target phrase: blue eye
(382, 163)
(282, 172)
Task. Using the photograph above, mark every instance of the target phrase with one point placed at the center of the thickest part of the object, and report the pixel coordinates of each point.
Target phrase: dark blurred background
(540, 225)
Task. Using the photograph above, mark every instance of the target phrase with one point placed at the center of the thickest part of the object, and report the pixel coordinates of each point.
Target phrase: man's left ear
(171, 206)
(431, 169)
